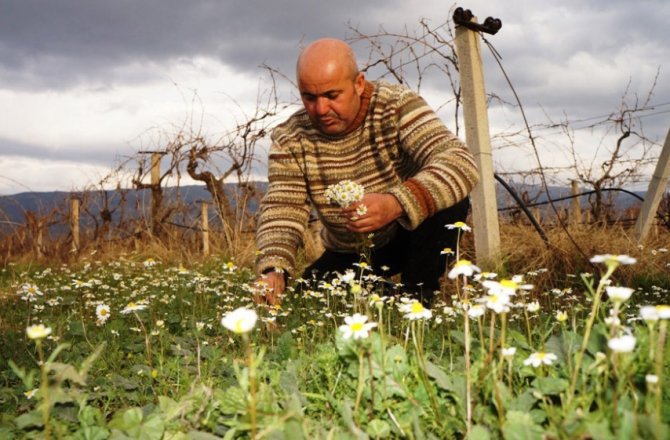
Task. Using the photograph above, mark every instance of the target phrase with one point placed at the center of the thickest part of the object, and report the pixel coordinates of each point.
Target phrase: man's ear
(359, 83)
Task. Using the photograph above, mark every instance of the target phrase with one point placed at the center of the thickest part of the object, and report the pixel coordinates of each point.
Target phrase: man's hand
(273, 284)
(382, 209)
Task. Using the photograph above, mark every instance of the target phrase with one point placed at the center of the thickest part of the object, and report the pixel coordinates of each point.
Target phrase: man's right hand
(274, 285)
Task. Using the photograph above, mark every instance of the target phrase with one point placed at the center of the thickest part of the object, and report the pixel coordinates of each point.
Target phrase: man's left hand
(382, 209)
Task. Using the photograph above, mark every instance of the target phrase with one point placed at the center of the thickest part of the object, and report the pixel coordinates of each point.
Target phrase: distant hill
(14, 207)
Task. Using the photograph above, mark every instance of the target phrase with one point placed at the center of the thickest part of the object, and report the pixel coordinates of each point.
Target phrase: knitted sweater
(399, 146)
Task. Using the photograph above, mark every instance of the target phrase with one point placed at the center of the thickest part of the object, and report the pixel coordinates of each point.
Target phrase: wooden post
(74, 223)
(39, 240)
(576, 206)
(205, 228)
(659, 182)
(484, 205)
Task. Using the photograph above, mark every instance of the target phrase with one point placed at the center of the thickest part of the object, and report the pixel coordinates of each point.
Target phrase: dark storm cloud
(94, 155)
(59, 43)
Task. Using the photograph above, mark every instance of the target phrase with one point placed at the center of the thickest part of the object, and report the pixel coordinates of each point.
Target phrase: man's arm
(446, 169)
(282, 220)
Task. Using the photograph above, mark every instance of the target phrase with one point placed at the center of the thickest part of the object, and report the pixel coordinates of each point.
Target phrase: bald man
(415, 172)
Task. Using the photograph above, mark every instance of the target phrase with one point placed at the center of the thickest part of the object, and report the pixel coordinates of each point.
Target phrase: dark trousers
(414, 254)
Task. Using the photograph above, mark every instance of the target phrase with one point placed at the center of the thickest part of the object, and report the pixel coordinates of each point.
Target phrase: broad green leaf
(523, 402)
(550, 386)
(440, 376)
(29, 420)
(92, 433)
(599, 430)
(520, 426)
(151, 429)
(232, 401)
(126, 420)
(200, 435)
(479, 433)
(378, 429)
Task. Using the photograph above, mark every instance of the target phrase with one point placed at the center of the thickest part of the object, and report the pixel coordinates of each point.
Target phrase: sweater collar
(362, 111)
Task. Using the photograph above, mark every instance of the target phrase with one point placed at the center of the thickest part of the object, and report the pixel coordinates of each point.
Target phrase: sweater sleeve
(283, 213)
(446, 169)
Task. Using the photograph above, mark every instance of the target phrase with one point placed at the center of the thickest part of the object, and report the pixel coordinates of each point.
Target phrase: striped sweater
(399, 146)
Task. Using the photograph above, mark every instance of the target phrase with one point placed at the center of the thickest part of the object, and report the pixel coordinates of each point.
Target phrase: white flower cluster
(345, 193)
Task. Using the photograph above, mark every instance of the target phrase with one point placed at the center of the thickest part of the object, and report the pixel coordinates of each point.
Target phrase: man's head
(330, 85)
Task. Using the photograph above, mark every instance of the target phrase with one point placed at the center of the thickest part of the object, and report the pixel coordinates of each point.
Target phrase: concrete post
(657, 186)
(483, 197)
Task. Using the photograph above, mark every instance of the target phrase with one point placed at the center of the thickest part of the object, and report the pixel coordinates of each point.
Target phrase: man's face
(331, 97)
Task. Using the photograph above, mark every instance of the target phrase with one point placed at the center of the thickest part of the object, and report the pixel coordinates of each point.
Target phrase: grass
(169, 369)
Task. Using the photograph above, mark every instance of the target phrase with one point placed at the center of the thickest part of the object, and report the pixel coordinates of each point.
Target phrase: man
(416, 176)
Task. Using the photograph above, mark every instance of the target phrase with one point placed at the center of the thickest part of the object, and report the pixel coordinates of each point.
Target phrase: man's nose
(322, 106)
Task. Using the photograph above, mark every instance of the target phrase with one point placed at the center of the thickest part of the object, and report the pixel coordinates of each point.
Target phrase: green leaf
(479, 433)
(126, 420)
(92, 433)
(550, 386)
(201, 435)
(67, 372)
(520, 426)
(378, 429)
(523, 402)
(441, 379)
(151, 429)
(232, 401)
(599, 430)
(29, 420)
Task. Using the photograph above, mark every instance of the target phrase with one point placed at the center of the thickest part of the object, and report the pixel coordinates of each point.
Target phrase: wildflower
(476, 311)
(241, 320)
(649, 314)
(463, 267)
(447, 251)
(509, 352)
(459, 225)
(344, 193)
(29, 292)
(133, 307)
(619, 294)
(348, 277)
(507, 287)
(356, 326)
(561, 316)
(361, 210)
(663, 311)
(622, 344)
(415, 310)
(651, 379)
(38, 331)
(149, 262)
(540, 358)
(497, 301)
(199, 325)
(612, 261)
(31, 393)
(229, 267)
(533, 307)
(102, 313)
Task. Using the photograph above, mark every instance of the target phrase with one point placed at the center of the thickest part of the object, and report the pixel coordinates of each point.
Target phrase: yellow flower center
(509, 284)
(460, 263)
(357, 326)
(417, 307)
(103, 312)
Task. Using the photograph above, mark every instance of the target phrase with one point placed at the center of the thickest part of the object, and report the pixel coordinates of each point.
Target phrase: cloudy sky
(86, 83)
